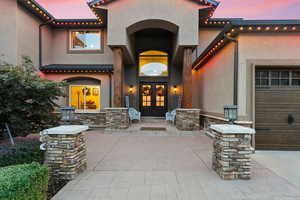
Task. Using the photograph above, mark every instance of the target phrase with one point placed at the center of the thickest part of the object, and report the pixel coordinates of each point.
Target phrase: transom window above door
(85, 40)
(153, 63)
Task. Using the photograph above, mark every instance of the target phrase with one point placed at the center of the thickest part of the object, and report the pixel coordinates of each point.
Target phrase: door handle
(290, 119)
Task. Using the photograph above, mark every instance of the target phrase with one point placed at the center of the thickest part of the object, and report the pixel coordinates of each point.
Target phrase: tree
(27, 102)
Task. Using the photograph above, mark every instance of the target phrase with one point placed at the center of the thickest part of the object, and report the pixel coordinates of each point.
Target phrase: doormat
(153, 129)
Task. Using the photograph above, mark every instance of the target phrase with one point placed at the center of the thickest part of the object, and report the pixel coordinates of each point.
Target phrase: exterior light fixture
(130, 89)
(175, 89)
(231, 113)
(67, 113)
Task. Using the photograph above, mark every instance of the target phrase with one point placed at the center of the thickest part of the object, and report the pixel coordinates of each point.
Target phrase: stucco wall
(47, 47)
(269, 49)
(61, 56)
(122, 14)
(104, 88)
(206, 36)
(19, 32)
(8, 31)
(27, 35)
(213, 82)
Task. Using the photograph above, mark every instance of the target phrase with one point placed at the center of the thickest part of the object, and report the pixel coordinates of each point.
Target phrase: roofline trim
(233, 30)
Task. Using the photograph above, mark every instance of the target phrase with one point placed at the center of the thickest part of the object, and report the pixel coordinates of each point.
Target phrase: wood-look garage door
(277, 118)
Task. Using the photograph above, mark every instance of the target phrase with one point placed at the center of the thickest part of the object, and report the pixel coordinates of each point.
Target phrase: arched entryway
(153, 73)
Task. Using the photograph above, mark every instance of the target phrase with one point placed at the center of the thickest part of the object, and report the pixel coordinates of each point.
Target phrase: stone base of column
(65, 151)
(232, 151)
(116, 118)
(187, 119)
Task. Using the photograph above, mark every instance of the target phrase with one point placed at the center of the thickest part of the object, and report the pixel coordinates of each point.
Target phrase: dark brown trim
(70, 51)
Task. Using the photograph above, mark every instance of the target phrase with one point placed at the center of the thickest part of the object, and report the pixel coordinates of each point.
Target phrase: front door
(153, 99)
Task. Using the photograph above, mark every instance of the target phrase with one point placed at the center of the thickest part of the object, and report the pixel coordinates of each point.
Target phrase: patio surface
(173, 165)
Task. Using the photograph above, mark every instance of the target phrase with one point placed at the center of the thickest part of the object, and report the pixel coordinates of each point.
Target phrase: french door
(153, 99)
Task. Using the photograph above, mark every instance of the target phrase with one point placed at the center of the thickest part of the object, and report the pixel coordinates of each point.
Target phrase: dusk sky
(248, 9)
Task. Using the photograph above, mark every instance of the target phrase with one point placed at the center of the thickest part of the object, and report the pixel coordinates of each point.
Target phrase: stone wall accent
(93, 120)
(232, 152)
(188, 119)
(116, 118)
(65, 151)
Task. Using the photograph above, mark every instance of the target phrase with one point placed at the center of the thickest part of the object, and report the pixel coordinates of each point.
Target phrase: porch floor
(171, 165)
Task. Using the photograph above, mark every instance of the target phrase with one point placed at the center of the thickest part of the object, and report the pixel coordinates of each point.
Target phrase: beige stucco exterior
(206, 36)
(19, 33)
(60, 55)
(8, 30)
(213, 83)
(268, 49)
(27, 35)
(123, 14)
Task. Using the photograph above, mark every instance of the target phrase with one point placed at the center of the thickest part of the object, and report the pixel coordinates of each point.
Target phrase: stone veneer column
(187, 78)
(118, 77)
(116, 118)
(65, 151)
(188, 119)
(232, 151)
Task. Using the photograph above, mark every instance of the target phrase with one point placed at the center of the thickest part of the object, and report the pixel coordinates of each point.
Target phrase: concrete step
(153, 120)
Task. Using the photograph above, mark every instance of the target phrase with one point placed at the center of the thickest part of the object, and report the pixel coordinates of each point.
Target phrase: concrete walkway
(160, 166)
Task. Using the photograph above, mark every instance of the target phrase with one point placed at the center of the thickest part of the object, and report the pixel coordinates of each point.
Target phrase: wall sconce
(175, 89)
(231, 113)
(130, 90)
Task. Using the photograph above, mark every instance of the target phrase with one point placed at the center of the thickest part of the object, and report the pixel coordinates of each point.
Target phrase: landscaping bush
(24, 182)
(27, 102)
(26, 150)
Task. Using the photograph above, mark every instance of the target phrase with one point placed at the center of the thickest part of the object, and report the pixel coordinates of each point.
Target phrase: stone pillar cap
(65, 130)
(116, 108)
(232, 129)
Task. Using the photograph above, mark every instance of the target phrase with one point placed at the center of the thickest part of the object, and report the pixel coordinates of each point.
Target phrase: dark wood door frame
(153, 110)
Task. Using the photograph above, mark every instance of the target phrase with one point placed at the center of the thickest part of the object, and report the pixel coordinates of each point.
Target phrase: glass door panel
(146, 95)
(160, 95)
(153, 99)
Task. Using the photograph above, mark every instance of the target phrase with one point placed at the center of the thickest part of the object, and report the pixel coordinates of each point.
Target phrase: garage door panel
(277, 116)
(277, 140)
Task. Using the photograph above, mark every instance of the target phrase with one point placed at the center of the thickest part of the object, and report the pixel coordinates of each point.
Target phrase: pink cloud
(251, 9)
(258, 9)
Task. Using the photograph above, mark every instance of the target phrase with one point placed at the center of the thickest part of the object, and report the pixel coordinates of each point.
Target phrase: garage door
(277, 118)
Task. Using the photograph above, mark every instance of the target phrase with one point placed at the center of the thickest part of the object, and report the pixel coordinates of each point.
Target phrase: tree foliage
(27, 102)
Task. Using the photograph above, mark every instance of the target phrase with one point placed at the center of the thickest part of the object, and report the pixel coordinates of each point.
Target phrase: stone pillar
(188, 119)
(118, 77)
(187, 78)
(232, 151)
(116, 118)
(65, 151)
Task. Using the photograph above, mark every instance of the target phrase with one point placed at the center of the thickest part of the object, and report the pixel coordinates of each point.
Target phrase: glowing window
(85, 40)
(153, 63)
(85, 97)
(146, 95)
(160, 95)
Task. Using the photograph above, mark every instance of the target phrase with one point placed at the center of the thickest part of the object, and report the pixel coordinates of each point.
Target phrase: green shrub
(26, 150)
(24, 182)
(27, 102)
